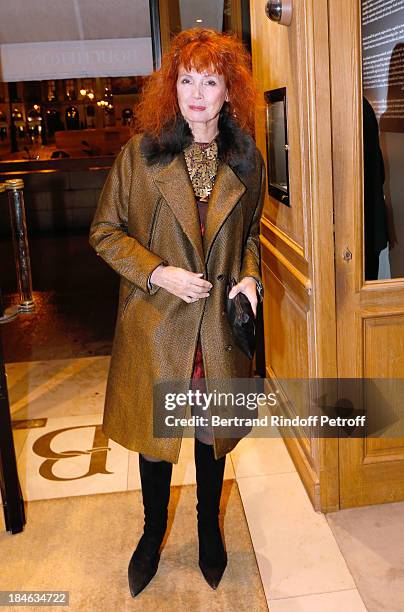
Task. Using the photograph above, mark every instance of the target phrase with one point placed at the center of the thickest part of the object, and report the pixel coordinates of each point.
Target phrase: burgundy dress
(198, 372)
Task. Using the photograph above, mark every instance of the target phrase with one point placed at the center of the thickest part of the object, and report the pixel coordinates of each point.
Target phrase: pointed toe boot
(212, 555)
(209, 481)
(155, 478)
(143, 564)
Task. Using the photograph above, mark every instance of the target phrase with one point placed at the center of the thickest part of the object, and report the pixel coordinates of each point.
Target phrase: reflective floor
(75, 294)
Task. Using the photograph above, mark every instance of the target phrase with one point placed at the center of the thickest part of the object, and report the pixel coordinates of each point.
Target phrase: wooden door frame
(323, 486)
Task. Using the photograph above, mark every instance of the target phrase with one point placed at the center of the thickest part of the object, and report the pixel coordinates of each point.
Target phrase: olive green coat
(146, 215)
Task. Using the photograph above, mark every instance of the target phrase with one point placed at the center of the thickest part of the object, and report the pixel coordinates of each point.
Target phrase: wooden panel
(286, 330)
(384, 347)
(285, 246)
(286, 272)
(287, 321)
(275, 54)
(388, 292)
(384, 358)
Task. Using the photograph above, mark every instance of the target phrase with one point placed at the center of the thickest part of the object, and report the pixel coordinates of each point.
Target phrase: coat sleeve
(109, 229)
(250, 265)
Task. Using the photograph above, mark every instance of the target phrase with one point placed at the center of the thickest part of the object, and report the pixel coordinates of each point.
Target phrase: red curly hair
(201, 49)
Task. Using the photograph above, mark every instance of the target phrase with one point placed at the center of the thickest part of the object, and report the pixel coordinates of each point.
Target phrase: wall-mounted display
(277, 144)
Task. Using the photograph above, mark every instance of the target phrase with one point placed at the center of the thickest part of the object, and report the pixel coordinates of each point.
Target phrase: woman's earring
(228, 108)
(231, 111)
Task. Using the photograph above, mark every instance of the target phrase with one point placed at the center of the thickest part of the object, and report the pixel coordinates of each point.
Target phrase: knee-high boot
(209, 481)
(155, 478)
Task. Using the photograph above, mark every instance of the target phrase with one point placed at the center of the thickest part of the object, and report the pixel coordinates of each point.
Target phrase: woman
(178, 214)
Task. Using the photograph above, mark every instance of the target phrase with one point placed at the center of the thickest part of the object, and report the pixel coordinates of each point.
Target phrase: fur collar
(235, 146)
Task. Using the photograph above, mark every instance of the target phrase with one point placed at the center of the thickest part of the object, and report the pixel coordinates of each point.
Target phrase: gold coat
(146, 215)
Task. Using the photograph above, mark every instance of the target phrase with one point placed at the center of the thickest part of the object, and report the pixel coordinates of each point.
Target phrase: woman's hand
(189, 286)
(248, 286)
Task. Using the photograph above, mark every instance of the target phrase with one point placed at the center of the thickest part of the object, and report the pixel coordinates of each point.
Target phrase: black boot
(209, 481)
(156, 479)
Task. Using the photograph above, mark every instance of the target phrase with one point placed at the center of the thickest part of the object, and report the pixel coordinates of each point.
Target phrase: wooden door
(370, 314)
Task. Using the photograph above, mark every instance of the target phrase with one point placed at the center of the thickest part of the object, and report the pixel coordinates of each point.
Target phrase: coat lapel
(175, 186)
(226, 192)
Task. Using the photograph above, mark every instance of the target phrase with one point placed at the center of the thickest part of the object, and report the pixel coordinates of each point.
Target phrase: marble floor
(307, 561)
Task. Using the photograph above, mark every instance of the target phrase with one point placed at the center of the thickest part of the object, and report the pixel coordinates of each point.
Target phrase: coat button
(220, 277)
(229, 347)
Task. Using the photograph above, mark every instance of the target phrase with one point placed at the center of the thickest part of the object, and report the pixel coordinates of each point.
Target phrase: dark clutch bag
(242, 321)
